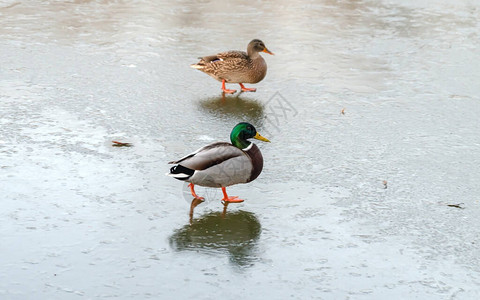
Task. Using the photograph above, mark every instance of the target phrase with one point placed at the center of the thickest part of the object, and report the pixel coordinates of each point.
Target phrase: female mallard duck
(236, 66)
(222, 164)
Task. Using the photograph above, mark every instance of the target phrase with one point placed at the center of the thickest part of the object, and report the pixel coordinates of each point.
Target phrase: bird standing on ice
(236, 66)
(222, 164)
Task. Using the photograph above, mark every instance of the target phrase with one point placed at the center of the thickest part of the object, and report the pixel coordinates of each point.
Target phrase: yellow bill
(261, 138)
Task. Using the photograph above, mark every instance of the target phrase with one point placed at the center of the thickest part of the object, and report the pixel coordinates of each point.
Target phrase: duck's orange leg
(244, 89)
(230, 199)
(192, 190)
(225, 90)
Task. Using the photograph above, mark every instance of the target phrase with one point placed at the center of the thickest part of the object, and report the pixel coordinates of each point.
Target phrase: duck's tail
(198, 66)
(204, 61)
(180, 172)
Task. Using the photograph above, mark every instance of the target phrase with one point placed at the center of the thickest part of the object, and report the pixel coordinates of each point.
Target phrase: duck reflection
(235, 233)
(234, 107)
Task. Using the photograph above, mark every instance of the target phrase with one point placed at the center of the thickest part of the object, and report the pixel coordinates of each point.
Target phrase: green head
(242, 132)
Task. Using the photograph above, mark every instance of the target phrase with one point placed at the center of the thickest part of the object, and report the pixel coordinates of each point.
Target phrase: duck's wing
(223, 56)
(188, 155)
(222, 62)
(232, 55)
(208, 156)
(215, 165)
(208, 59)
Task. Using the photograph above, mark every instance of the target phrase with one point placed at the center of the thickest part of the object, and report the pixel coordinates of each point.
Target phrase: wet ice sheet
(77, 75)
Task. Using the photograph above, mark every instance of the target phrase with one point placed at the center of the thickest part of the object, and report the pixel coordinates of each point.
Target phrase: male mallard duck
(236, 66)
(222, 164)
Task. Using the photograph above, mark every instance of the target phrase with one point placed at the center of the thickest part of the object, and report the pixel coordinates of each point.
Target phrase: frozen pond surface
(350, 205)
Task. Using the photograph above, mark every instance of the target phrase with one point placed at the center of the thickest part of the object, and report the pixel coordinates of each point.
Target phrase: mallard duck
(222, 164)
(236, 66)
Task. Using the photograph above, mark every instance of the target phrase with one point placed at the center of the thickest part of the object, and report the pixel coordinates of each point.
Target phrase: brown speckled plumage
(236, 66)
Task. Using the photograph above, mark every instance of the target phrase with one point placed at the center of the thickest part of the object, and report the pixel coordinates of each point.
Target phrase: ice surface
(350, 205)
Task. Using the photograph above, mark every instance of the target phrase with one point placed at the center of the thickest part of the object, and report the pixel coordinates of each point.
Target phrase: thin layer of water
(371, 106)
